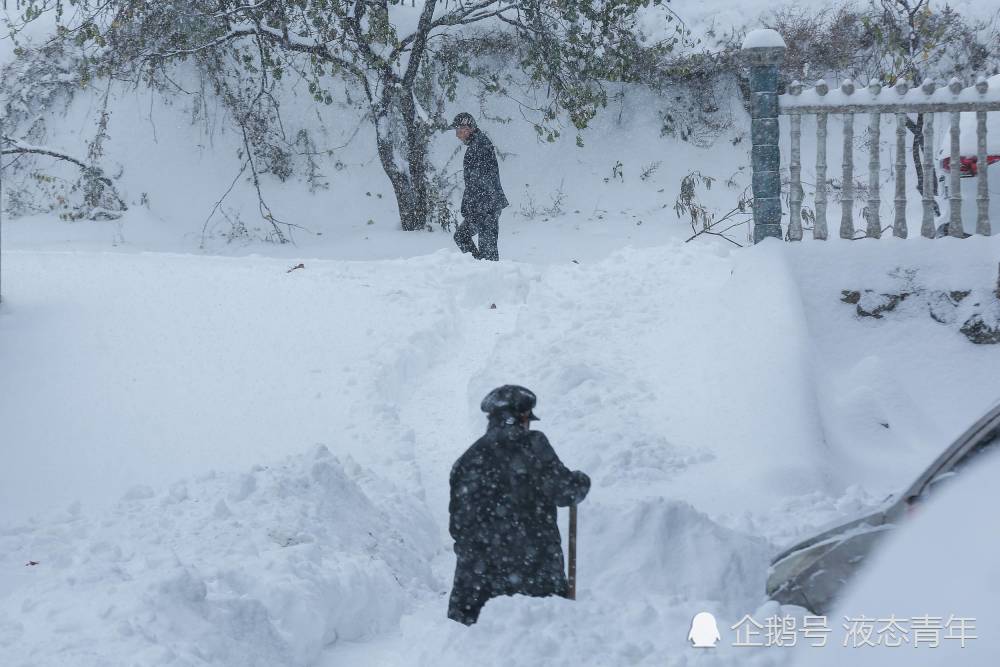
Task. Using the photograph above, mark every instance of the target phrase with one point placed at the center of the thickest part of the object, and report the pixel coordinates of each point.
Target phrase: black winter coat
(504, 494)
(483, 192)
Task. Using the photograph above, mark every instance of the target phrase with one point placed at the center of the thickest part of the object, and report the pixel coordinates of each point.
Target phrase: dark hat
(510, 399)
(463, 119)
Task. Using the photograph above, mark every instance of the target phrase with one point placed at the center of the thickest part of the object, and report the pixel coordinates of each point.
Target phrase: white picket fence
(929, 99)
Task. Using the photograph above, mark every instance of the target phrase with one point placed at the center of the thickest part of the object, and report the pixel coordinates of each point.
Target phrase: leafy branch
(703, 219)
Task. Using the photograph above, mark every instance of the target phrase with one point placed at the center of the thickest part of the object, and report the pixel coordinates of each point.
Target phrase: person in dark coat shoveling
(483, 198)
(504, 492)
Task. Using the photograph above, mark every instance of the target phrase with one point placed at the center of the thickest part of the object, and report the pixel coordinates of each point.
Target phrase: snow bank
(650, 368)
(262, 568)
(894, 392)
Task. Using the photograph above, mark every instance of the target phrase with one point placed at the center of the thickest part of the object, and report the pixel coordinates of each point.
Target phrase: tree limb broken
(11, 146)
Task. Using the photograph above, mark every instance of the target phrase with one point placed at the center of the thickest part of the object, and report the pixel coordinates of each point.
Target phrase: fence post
(764, 51)
(795, 172)
(1, 203)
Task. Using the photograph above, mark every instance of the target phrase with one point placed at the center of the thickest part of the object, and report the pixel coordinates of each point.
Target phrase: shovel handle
(571, 565)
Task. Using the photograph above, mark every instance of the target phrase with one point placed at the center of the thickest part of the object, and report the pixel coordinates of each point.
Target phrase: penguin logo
(704, 631)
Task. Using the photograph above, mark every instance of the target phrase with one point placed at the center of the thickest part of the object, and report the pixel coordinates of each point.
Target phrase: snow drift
(266, 567)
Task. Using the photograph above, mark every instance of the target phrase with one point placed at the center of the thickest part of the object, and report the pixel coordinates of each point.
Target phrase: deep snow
(725, 403)
(216, 460)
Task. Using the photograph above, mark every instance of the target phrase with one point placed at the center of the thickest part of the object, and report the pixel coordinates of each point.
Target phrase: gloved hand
(582, 481)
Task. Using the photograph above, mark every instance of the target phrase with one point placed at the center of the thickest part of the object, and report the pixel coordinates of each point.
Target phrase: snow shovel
(571, 564)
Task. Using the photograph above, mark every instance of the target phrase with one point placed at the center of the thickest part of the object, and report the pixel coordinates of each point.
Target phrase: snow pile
(643, 566)
(674, 551)
(262, 568)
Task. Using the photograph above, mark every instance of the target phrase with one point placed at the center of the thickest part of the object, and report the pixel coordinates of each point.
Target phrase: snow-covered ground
(211, 458)
(280, 442)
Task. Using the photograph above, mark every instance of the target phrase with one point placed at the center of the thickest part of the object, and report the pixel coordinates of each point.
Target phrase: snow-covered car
(937, 578)
(969, 168)
(812, 573)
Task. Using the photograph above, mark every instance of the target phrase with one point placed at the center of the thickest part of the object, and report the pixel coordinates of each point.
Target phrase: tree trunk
(416, 140)
(918, 146)
(918, 141)
(402, 139)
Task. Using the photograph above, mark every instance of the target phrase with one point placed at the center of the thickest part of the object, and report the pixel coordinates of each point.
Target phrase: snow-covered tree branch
(570, 48)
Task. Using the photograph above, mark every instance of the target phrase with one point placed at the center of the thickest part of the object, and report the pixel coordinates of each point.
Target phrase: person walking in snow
(504, 492)
(483, 199)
